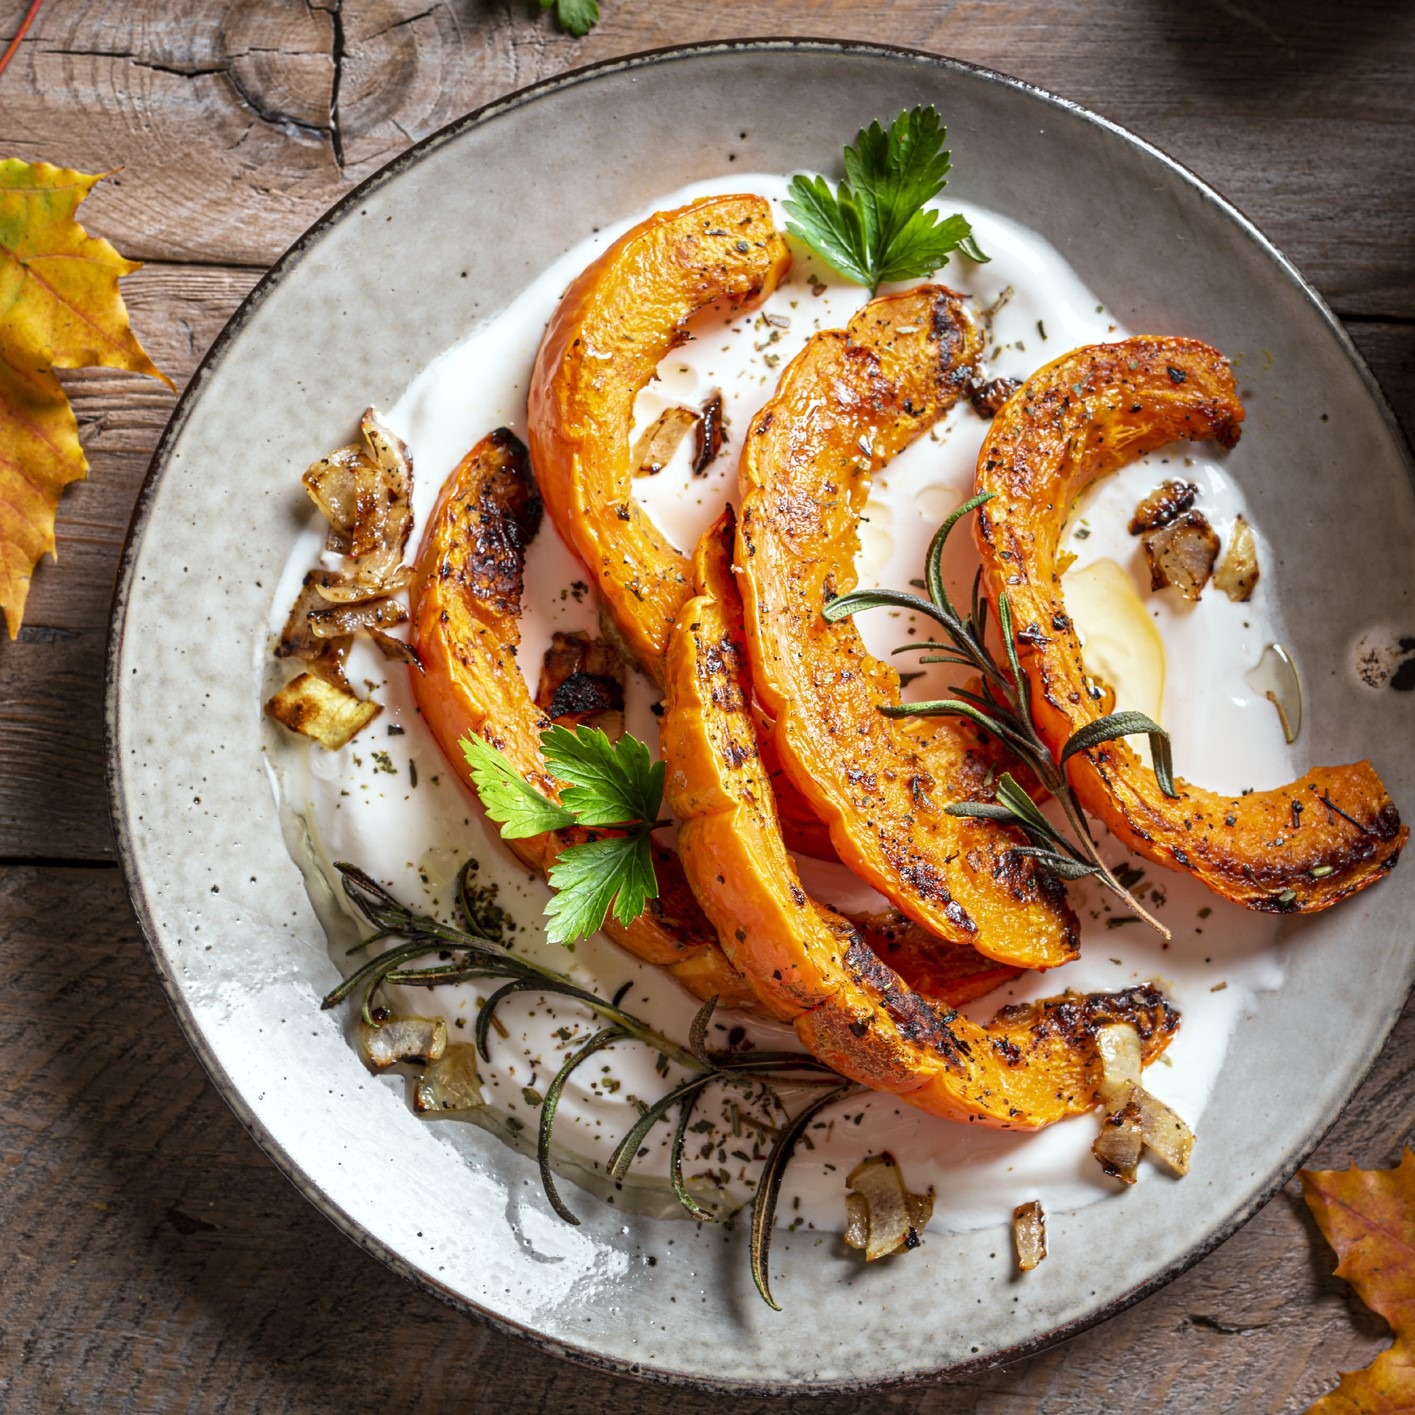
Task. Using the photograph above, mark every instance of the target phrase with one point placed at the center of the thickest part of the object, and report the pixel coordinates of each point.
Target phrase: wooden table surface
(154, 1260)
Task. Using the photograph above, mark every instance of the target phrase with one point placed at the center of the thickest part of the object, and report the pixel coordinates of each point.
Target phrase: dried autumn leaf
(1368, 1216)
(59, 308)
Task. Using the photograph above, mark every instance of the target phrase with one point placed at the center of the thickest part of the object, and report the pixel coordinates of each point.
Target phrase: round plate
(368, 297)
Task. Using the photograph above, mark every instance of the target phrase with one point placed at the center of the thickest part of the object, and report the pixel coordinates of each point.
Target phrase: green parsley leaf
(589, 878)
(833, 225)
(615, 783)
(873, 228)
(577, 17)
(520, 809)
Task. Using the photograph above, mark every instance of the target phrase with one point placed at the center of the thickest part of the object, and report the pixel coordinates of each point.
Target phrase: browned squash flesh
(848, 403)
(466, 629)
(1299, 847)
(613, 327)
(1031, 1066)
(932, 968)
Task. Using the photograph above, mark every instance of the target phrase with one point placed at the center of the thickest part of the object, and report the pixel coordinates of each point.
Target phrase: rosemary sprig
(468, 953)
(1004, 709)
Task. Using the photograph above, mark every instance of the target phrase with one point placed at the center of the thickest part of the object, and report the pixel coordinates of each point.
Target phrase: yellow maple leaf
(59, 308)
(1368, 1216)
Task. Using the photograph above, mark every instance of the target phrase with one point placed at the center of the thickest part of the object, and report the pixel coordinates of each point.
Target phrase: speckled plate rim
(123, 825)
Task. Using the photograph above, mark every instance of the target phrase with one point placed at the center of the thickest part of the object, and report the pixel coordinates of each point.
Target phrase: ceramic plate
(367, 298)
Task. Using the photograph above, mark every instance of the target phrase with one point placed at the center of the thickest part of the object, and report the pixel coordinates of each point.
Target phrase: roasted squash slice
(851, 400)
(466, 628)
(1032, 1065)
(1299, 847)
(613, 327)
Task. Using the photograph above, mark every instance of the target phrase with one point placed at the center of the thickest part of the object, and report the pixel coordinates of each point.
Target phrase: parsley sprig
(874, 228)
(614, 785)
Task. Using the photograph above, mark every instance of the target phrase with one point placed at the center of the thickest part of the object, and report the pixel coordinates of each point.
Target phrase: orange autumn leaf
(1368, 1216)
(59, 309)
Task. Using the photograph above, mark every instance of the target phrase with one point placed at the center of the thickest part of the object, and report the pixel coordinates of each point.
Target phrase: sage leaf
(1123, 724)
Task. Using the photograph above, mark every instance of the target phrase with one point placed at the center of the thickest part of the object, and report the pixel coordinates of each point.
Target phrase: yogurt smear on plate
(392, 804)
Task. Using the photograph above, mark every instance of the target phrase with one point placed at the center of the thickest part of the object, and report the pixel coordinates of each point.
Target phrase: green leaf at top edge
(577, 17)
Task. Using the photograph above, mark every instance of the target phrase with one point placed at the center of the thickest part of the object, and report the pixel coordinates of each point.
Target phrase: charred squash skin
(466, 627)
(1031, 1066)
(1301, 847)
(613, 327)
(880, 785)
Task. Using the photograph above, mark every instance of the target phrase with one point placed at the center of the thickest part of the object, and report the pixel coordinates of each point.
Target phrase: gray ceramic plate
(366, 299)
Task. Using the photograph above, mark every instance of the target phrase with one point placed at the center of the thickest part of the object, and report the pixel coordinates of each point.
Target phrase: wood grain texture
(1297, 111)
(156, 1260)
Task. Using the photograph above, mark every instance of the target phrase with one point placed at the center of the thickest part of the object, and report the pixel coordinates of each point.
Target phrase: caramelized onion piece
(366, 494)
(1162, 505)
(1121, 1058)
(1165, 1132)
(883, 1216)
(1237, 573)
(394, 1039)
(1029, 1233)
(1121, 1142)
(338, 587)
(450, 1082)
(343, 620)
(297, 638)
(324, 711)
(396, 650)
(987, 398)
(1182, 554)
(1136, 1118)
(658, 442)
(711, 434)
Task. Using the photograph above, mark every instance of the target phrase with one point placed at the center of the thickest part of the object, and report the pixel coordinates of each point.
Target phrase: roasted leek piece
(848, 403)
(614, 325)
(466, 628)
(1300, 847)
(1032, 1065)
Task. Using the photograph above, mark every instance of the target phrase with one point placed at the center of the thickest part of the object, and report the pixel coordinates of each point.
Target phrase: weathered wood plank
(159, 1262)
(1299, 114)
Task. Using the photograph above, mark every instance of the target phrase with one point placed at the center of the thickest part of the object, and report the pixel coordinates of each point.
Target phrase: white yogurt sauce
(361, 803)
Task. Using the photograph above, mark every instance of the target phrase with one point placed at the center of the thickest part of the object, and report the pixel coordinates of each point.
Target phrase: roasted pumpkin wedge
(1300, 847)
(851, 400)
(612, 329)
(466, 629)
(1032, 1065)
